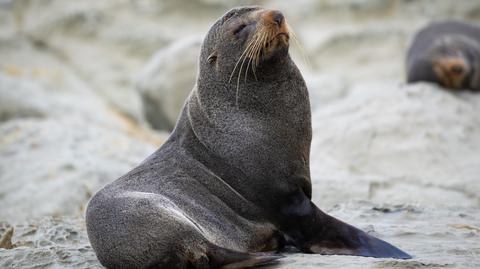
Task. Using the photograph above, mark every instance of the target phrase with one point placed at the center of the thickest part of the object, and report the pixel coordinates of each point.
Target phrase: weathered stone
(167, 79)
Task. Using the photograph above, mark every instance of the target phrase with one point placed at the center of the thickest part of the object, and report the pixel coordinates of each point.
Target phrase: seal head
(446, 53)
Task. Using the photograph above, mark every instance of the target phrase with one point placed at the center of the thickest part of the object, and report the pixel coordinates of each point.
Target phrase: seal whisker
(260, 47)
(298, 44)
(239, 59)
(256, 55)
(245, 54)
(267, 42)
(250, 63)
(236, 64)
(251, 55)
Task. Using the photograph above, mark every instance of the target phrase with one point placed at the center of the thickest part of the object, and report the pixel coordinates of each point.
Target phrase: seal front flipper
(218, 257)
(310, 230)
(339, 238)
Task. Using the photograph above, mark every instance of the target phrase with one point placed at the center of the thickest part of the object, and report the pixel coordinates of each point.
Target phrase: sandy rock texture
(167, 79)
(48, 243)
(401, 143)
(86, 85)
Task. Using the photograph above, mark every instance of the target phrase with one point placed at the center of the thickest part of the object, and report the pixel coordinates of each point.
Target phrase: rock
(402, 138)
(355, 53)
(409, 228)
(92, 39)
(14, 102)
(378, 9)
(48, 92)
(386, 157)
(49, 243)
(59, 142)
(324, 90)
(167, 79)
(6, 239)
(53, 166)
(62, 242)
(22, 97)
(204, 6)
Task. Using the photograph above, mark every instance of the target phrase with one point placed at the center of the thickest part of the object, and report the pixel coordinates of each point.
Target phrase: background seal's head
(453, 61)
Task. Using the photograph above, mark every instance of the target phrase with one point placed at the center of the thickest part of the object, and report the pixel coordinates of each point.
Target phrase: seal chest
(231, 186)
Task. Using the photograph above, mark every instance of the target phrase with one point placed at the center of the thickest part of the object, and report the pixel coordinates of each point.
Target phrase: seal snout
(263, 35)
(457, 69)
(275, 22)
(274, 27)
(452, 71)
(273, 16)
(276, 16)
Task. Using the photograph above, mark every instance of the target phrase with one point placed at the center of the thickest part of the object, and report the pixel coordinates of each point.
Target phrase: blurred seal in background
(232, 183)
(446, 53)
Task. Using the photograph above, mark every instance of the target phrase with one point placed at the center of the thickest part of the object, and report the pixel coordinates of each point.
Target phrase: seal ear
(212, 57)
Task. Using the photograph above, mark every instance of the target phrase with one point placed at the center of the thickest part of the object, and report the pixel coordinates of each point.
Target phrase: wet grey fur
(232, 178)
(442, 39)
(199, 185)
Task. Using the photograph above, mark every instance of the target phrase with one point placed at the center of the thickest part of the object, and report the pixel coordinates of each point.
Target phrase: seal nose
(278, 17)
(274, 16)
(456, 69)
(454, 66)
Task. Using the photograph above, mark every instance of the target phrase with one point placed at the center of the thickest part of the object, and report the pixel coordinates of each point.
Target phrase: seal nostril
(278, 17)
(456, 69)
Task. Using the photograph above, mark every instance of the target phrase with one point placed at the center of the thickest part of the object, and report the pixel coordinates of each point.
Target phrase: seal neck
(266, 86)
(266, 137)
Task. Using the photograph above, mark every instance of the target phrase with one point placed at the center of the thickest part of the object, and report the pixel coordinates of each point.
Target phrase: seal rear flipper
(223, 258)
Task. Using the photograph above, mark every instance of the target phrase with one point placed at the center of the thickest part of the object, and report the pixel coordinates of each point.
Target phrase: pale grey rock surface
(399, 161)
(325, 89)
(28, 98)
(410, 143)
(49, 243)
(167, 79)
(52, 167)
(62, 243)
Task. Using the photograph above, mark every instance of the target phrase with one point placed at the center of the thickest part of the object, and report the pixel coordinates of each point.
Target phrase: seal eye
(229, 15)
(239, 28)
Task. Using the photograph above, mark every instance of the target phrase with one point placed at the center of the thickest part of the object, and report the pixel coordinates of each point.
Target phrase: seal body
(231, 185)
(446, 53)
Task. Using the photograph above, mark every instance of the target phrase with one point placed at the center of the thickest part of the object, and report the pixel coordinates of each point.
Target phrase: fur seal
(231, 186)
(446, 53)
